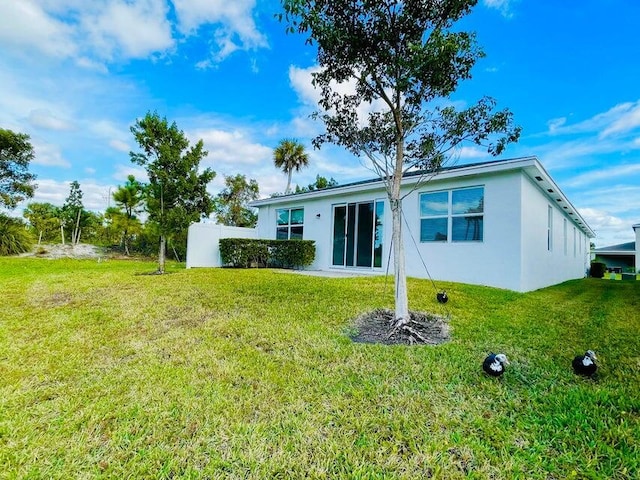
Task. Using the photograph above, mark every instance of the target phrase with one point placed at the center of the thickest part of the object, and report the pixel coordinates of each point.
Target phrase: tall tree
(387, 69)
(289, 155)
(16, 183)
(231, 204)
(129, 200)
(44, 218)
(176, 195)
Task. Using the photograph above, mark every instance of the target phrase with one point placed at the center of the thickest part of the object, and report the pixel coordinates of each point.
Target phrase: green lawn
(107, 372)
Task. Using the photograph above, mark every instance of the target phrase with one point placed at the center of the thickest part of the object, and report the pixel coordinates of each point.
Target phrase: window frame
(289, 226)
(450, 216)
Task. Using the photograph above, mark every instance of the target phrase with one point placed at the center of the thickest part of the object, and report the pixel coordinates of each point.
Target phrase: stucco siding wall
(542, 266)
(494, 261)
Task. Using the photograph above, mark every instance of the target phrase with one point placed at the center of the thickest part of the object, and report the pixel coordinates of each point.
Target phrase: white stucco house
(501, 223)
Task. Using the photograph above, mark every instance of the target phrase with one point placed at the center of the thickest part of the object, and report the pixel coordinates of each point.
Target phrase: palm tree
(289, 155)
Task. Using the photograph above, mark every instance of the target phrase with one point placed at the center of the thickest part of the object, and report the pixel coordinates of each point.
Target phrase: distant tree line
(146, 218)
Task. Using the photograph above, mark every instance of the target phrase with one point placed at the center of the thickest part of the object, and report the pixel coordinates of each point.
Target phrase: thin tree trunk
(62, 233)
(399, 265)
(76, 232)
(40, 238)
(161, 254)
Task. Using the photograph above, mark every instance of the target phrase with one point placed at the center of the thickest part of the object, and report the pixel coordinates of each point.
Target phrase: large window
(290, 223)
(452, 214)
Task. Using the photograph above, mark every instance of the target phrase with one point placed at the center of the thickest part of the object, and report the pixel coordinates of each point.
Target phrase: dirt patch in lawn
(377, 327)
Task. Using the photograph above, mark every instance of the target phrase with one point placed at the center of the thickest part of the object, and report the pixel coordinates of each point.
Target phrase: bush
(292, 253)
(597, 269)
(247, 253)
(244, 252)
(14, 236)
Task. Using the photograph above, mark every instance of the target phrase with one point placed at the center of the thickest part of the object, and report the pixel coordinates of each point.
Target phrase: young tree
(398, 61)
(72, 213)
(44, 218)
(176, 195)
(129, 200)
(231, 204)
(16, 183)
(289, 155)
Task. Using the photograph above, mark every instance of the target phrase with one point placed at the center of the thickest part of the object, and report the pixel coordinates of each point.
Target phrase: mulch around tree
(377, 327)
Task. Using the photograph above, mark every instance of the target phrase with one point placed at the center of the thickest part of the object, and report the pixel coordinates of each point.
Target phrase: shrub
(597, 269)
(246, 253)
(292, 253)
(14, 236)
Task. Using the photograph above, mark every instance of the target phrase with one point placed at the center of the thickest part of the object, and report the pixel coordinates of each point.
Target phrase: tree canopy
(176, 195)
(231, 204)
(16, 182)
(290, 155)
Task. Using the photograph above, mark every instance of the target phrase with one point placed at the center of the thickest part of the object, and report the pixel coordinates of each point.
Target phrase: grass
(106, 372)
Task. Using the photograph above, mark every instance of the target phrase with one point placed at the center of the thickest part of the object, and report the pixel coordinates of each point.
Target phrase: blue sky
(75, 75)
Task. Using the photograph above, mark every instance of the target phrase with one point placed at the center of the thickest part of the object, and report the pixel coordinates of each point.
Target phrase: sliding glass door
(357, 234)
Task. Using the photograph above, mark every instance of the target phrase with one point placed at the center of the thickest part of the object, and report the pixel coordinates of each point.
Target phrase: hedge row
(251, 253)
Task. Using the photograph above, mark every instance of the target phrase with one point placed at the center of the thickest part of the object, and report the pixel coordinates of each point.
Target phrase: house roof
(530, 165)
(620, 249)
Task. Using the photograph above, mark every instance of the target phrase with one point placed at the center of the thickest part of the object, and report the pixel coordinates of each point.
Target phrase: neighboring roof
(620, 249)
(530, 165)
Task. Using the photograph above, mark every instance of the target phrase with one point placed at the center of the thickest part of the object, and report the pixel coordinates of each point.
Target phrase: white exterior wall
(203, 249)
(495, 261)
(542, 267)
(512, 255)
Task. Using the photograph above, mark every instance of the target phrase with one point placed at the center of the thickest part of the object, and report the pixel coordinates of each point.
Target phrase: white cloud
(235, 26)
(120, 146)
(130, 30)
(92, 32)
(25, 25)
(48, 155)
(301, 79)
(618, 120)
(503, 6)
(605, 175)
(231, 148)
(122, 171)
(555, 123)
(628, 118)
(43, 118)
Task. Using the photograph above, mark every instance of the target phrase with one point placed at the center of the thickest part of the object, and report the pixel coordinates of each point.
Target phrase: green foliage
(218, 373)
(44, 219)
(247, 253)
(292, 253)
(288, 156)
(244, 252)
(123, 219)
(598, 269)
(16, 183)
(14, 236)
(176, 195)
(320, 183)
(231, 204)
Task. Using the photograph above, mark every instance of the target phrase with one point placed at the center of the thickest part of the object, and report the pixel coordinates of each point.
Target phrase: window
(453, 214)
(290, 223)
(574, 242)
(564, 235)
